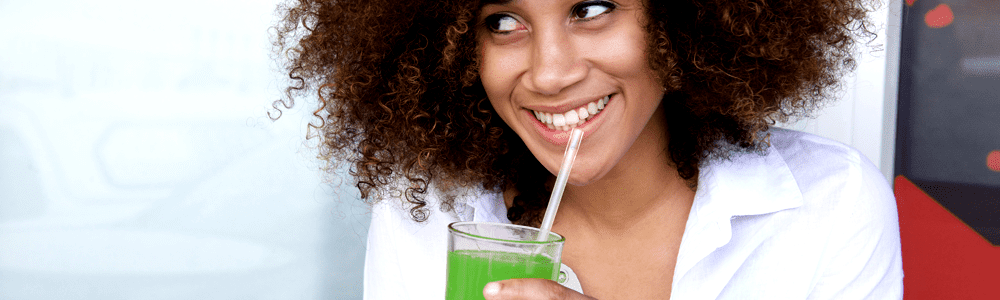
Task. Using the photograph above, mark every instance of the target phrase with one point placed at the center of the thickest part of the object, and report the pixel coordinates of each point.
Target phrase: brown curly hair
(400, 97)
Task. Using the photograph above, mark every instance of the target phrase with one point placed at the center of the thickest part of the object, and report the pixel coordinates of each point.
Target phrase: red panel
(942, 257)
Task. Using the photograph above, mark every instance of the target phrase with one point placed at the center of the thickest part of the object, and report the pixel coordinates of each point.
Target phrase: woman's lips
(560, 135)
(570, 119)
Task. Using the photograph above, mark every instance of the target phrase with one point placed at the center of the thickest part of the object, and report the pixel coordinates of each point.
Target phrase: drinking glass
(480, 253)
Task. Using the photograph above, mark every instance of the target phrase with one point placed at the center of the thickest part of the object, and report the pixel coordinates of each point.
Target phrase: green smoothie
(470, 270)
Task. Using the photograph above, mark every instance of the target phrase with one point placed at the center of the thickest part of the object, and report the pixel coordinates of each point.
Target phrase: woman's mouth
(575, 117)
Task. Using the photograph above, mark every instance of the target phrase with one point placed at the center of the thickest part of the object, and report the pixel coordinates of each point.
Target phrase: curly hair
(400, 95)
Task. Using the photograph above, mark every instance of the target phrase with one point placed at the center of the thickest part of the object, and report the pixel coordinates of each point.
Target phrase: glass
(480, 253)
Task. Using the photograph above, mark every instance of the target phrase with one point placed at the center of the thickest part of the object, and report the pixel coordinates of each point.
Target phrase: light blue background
(137, 160)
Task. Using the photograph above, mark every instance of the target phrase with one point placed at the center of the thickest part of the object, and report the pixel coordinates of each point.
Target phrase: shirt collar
(746, 184)
(480, 205)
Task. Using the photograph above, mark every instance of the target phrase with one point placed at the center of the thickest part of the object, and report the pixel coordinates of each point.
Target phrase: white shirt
(809, 219)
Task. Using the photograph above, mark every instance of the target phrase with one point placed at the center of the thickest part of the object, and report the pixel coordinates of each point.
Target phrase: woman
(459, 110)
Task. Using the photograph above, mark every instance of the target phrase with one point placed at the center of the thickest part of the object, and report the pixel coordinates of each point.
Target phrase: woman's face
(551, 65)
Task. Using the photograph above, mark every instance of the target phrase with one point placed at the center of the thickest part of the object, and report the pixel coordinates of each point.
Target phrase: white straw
(567, 164)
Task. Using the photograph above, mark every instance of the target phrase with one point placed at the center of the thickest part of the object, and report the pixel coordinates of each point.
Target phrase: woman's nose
(555, 63)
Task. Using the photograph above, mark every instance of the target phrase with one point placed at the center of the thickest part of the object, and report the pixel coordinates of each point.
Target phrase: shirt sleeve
(865, 259)
(406, 259)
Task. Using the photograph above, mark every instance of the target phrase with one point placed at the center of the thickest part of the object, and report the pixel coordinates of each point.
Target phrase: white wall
(137, 162)
(865, 117)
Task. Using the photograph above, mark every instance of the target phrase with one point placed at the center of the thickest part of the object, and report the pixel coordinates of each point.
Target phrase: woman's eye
(501, 23)
(589, 10)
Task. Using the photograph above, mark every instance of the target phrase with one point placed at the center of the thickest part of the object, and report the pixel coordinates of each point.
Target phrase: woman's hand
(529, 289)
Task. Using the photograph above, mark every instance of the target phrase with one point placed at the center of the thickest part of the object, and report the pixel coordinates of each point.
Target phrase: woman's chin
(584, 177)
(585, 170)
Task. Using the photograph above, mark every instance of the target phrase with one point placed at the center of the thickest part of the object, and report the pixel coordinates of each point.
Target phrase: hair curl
(400, 97)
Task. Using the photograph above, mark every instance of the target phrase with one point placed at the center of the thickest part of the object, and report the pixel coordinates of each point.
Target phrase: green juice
(470, 270)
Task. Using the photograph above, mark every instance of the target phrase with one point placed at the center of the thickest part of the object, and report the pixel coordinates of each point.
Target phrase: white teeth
(583, 113)
(572, 118)
(559, 120)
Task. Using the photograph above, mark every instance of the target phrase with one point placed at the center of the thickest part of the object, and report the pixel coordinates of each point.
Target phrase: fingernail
(491, 289)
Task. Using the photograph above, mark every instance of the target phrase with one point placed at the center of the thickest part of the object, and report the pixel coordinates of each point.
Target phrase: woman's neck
(644, 182)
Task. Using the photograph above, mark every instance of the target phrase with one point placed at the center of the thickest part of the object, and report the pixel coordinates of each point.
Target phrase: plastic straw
(567, 164)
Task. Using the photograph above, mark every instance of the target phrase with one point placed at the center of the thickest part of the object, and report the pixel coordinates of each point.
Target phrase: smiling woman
(559, 64)
(460, 110)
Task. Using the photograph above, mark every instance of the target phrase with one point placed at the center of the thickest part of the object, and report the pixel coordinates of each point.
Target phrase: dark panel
(949, 107)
